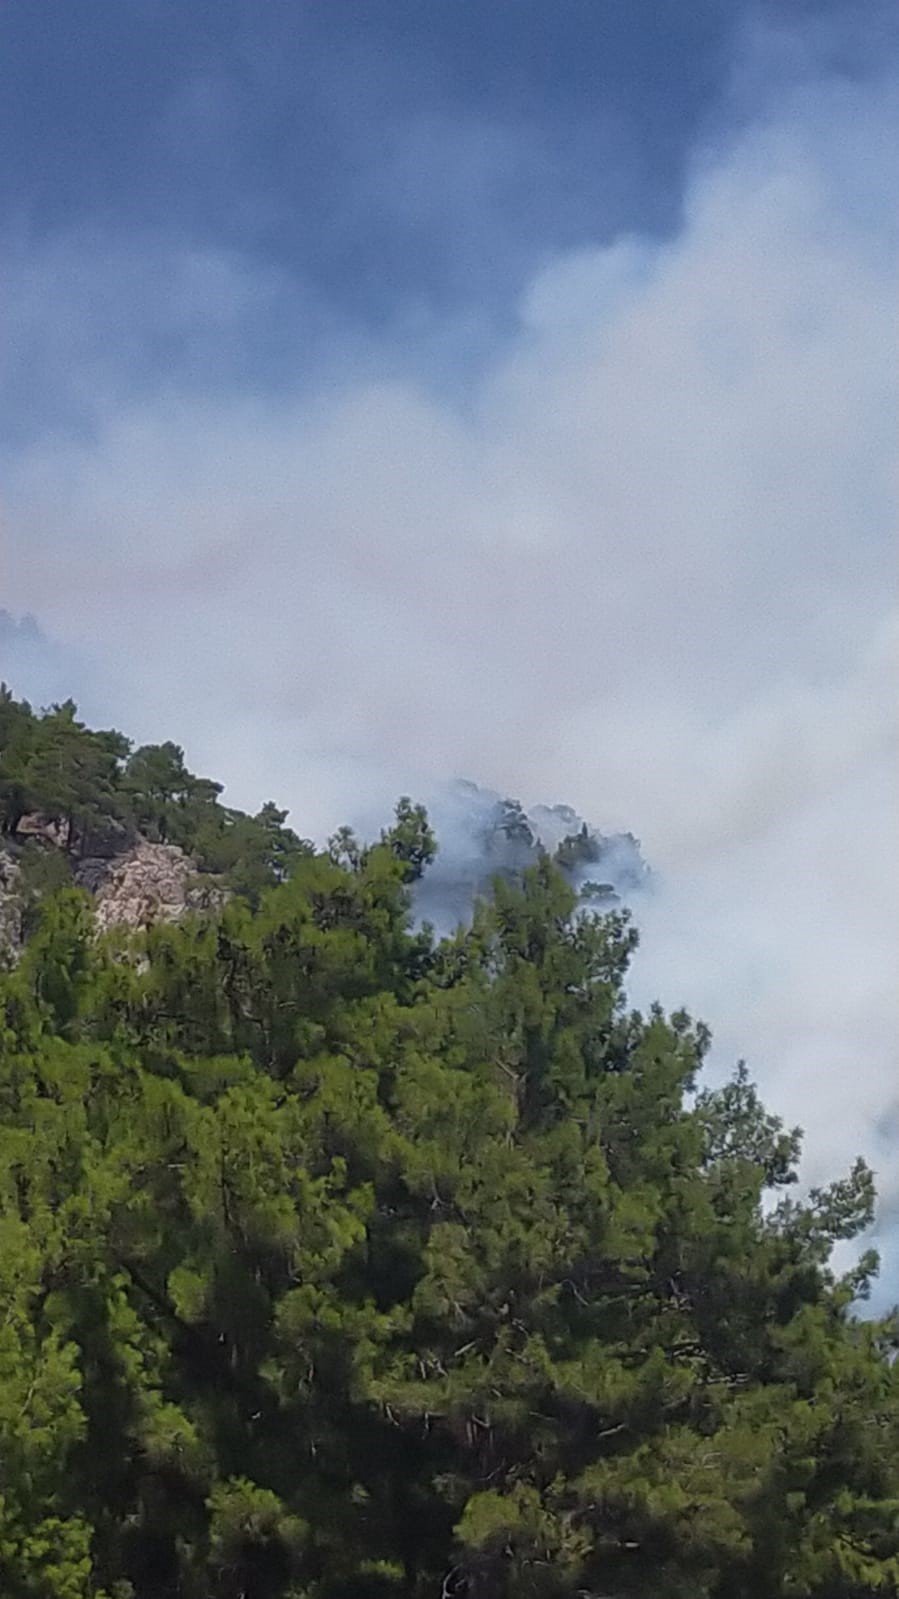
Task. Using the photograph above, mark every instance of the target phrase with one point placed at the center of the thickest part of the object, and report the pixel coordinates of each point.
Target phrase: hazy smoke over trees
(481, 835)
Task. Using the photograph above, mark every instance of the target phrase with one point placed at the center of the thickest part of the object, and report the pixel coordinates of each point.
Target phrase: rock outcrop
(142, 884)
(149, 883)
(10, 909)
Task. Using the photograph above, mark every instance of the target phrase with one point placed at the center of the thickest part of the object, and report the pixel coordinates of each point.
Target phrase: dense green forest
(342, 1262)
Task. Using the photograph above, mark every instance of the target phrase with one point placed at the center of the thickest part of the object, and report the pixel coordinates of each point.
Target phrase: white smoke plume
(648, 568)
(482, 835)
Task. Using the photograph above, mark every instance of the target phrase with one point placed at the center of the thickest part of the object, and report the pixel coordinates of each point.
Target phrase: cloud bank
(647, 568)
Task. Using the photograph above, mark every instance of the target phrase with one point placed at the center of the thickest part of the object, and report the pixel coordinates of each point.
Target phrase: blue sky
(393, 391)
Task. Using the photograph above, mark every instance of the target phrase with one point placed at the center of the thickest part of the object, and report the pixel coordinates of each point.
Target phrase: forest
(339, 1260)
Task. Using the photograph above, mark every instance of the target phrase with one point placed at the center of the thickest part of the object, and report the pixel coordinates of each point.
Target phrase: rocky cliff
(10, 907)
(143, 883)
(148, 883)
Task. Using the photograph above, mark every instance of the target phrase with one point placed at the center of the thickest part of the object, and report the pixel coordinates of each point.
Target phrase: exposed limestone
(42, 828)
(142, 884)
(10, 909)
(150, 883)
(103, 839)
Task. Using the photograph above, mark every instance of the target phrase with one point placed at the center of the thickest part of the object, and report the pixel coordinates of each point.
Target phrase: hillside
(339, 1260)
(150, 840)
(146, 836)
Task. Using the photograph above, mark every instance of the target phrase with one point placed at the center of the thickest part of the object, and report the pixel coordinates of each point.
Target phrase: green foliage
(55, 765)
(89, 790)
(43, 871)
(411, 839)
(337, 1264)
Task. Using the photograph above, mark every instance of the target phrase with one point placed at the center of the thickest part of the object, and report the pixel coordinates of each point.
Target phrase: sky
(397, 391)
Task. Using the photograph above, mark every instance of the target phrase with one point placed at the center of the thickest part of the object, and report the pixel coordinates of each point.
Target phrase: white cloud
(648, 571)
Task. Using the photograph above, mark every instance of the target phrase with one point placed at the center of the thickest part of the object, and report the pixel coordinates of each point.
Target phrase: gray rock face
(10, 910)
(41, 829)
(149, 883)
(142, 884)
(103, 841)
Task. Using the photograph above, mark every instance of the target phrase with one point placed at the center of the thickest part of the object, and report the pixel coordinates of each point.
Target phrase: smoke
(648, 567)
(481, 836)
(41, 668)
